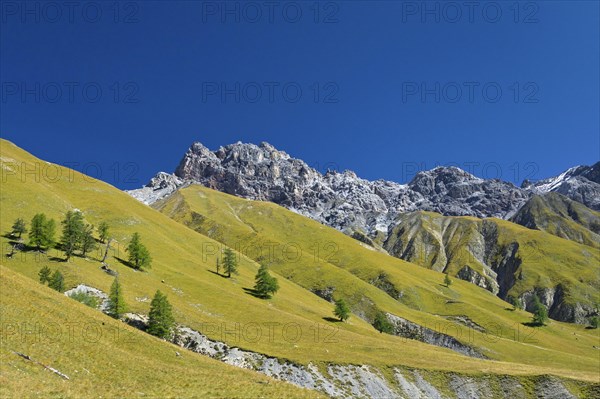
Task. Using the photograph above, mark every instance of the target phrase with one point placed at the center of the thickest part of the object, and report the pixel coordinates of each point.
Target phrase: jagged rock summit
(349, 203)
(580, 183)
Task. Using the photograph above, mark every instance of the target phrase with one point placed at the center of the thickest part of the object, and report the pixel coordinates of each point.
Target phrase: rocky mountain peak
(345, 201)
(438, 178)
(592, 173)
(580, 183)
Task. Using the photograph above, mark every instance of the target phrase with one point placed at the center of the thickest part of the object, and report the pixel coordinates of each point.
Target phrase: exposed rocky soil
(363, 381)
(358, 381)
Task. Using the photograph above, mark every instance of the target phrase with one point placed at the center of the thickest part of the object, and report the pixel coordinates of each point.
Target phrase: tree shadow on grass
(125, 263)
(57, 259)
(332, 319)
(218, 274)
(21, 246)
(532, 324)
(254, 293)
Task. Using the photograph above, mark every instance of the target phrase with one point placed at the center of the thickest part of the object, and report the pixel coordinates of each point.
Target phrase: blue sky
(383, 88)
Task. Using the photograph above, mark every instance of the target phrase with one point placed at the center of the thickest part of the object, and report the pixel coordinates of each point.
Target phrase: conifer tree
(116, 303)
(103, 231)
(229, 262)
(515, 302)
(139, 256)
(18, 228)
(382, 324)
(540, 313)
(88, 242)
(57, 281)
(72, 232)
(342, 311)
(266, 285)
(41, 232)
(447, 280)
(50, 232)
(161, 321)
(44, 274)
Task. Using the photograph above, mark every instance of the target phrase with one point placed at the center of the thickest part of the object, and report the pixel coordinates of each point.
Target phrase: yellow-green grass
(199, 296)
(104, 357)
(562, 217)
(546, 260)
(251, 225)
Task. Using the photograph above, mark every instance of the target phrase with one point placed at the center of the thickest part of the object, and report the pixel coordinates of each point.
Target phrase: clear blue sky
(159, 64)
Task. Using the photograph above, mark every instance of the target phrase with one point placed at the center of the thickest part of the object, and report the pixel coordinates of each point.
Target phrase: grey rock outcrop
(351, 204)
(359, 381)
(341, 200)
(580, 183)
(558, 309)
(408, 329)
(159, 187)
(91, 291)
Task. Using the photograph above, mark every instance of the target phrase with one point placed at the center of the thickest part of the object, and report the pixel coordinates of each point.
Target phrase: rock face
(361, 381)
(351, 204)
(159, 187)
(554, 300)
(580, 183)
(341, 200)
(496, 256)
(407, 329)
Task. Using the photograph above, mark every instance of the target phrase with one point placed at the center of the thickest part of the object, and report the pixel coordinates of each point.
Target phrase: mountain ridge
(388, 216)
(352, 204)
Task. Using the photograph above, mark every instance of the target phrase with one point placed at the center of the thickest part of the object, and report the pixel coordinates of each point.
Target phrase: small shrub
(86, 299)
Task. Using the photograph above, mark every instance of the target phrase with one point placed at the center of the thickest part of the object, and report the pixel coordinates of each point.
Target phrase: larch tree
(229, 262)
(41, 231)
(265, 284)
(103, 231)
(18, 227)
(341, 310)
(116, 302)
(447, 280)
(44, 274)
(57, 281)
(160, 319)
(139, 256)
(71, 233)
(540, 313)
(87, 242)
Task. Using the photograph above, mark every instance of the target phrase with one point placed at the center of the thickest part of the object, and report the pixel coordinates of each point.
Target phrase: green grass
(250, 226)
(558, 215)
(184, 261)
(102, 356)
(546, 260)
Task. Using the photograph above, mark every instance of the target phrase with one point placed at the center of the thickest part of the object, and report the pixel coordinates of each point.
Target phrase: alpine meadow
(300, 199)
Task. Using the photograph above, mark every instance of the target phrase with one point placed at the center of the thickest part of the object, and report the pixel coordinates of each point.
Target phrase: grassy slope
(104, 356)
(199, 296)
(549, 260)
(250, 226)
(558, 215)
(546, 259)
